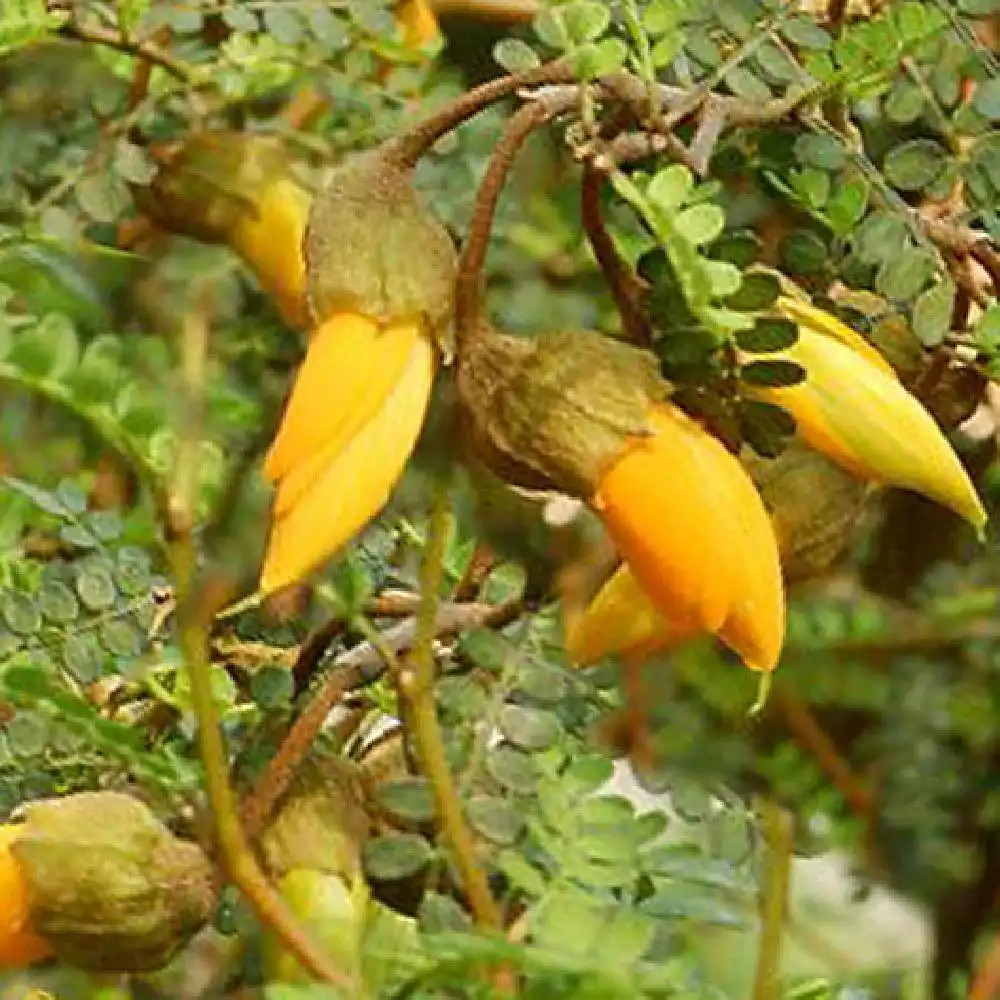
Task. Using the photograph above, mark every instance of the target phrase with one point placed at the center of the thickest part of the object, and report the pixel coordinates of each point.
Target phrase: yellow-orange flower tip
(695, 534)
(20, 946)
(345, 440)
(417, 21)
(859, 415)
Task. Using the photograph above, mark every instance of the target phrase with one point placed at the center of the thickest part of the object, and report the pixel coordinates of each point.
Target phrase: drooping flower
(699, 551)
(356, 409)
(417, 21)
(853, 409)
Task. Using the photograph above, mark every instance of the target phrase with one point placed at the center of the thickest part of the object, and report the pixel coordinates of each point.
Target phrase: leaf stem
(778, 831)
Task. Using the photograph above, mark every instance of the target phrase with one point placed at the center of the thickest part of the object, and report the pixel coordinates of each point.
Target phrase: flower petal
(864, 420)
(662, 509)
(350, 368)
(341, 488)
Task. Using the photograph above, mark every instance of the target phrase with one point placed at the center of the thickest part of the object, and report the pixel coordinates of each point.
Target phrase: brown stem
(121, 42)
(626, 286)
(520, 125)
(407, 149)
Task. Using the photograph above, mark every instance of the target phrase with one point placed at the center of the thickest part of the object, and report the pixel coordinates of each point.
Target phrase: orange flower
(418, 23)
(700, 554)
(353, 417)
(19, 945)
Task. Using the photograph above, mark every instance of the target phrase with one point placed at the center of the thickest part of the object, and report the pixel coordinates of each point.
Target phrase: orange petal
(417, 21)
(19, 945)
(662, 509)
(351, 366)
(324, 503)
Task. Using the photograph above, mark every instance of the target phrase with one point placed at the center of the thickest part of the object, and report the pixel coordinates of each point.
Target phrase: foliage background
(881, 733)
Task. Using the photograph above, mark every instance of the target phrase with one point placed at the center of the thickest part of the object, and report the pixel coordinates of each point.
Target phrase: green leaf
(102, 196)
(83, 657)
(132, 162)
(595, 59)
(585, 20)
(21, 614)
(932, 313)
(986, 98)
(723, 277)
(820, 150)
(700, 224)
(122, 638)
(529, 728)
(514, 55)
(680, 901)
(439, 913)
(670, 186)
(72, 496)
(880, 237)
(803, 252)
(542, 684)
(407, 801)
(522, 875)
(805, 33)
(772, 374)
(134, 571)
(272, 687)
(550, 27)
(42, 499)
(57, 602)
(760, 289)
(904, 276)
(847, 206)
(915, 164)
(487, 649)
(768, 334)
(767, 428)
(105, 525)
(904, 103)
(776, 64)
(95, 587)
(512, 769)
(741, 249)
(987, 335)
(283, 24)
(48, 349)
(747, 86)
(495, 818)
(396, 856)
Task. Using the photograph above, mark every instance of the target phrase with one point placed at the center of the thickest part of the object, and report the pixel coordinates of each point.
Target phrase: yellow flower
(853, 409)
(353, 417)
(700, 554)
(418, 23)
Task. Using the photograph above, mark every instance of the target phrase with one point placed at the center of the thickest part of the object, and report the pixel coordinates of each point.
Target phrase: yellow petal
(417, 21)
(803, 313)
(351, 366)
(864, 420)
(344, 487)
(270, 241)
(621, 618)
(20, 946)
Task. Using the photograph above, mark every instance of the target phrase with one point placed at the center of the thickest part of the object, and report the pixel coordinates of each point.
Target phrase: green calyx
(372, 247)
(112, 888)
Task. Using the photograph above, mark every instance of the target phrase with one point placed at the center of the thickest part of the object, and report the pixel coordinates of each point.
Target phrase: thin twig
(141, 49)
(520, 125)
(626, 287)
(417, 689)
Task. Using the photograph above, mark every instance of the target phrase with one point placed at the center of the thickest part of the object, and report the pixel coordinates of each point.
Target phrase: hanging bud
(853, 409)
(555, 412)
(241, 190)
(108, 886)
(417, 21)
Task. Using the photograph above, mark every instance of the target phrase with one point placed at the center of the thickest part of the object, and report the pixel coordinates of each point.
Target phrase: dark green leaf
(903, 277)
(57, 602)
(95, 587)
(487, 649)
(803, 252)
(396, 856)
(772, 373)
(880, 237)
(121, 638)
(768, 334)
(283, 24)
(765, 427)
(83, 657)
(740, 249)
(986, 99)
(847, 206)
(439, 913)
(806, 34)
(759, 290)
(820, 150)
(747, 86)
(21, 614)
(542, 684)
(42, 499)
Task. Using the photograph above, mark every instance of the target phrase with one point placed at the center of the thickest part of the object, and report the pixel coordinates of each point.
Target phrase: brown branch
(355, 668)
(625, 285)
(147, 50)
(406, 149)
(520, 125)
(482, 560)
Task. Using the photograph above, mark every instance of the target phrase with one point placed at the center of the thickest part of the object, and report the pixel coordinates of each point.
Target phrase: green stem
(778, 830)
(194, 615)
(417, 687)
